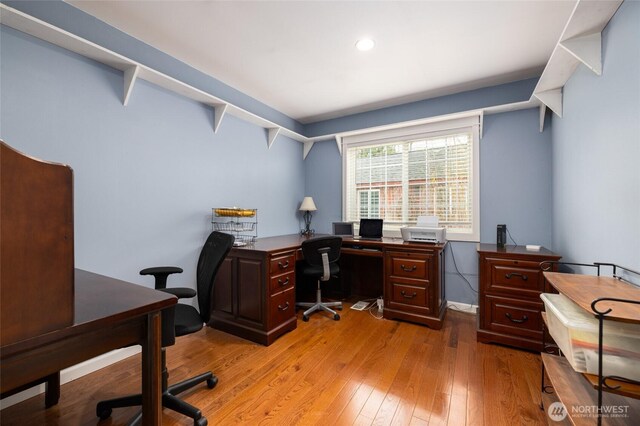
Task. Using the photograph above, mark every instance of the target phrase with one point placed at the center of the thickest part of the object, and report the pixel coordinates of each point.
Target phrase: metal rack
(603, 383)
(241, 223)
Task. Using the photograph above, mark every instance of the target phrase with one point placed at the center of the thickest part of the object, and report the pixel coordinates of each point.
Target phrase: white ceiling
(299, 56)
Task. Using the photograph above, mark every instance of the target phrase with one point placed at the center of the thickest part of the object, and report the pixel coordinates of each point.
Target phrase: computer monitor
(370, 228)
(343, 229)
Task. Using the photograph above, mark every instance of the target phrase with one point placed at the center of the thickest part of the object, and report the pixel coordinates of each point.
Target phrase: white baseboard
(74, 372)
(464, 307)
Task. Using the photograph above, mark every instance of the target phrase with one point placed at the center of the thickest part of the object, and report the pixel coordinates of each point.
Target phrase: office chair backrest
(311, 249)
(213, 252)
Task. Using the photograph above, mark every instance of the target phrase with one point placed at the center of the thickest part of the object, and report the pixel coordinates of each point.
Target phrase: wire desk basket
(241, 223)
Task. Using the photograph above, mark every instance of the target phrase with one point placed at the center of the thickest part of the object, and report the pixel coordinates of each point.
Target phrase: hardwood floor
(356, 371)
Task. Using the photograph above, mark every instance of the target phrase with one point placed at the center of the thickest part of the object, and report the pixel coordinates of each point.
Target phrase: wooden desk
(109, 314)
(254, 292)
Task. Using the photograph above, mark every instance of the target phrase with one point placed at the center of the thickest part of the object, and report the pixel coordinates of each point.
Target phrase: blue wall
(146, 175)
(67, 17)
(596, 153)
(515, 188)
(515, 178)
(518, 91)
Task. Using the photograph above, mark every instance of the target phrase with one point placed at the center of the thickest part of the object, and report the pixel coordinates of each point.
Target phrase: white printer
(425, 231)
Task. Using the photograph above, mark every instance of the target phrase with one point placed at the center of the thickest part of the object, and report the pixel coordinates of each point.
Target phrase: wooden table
(109, 314)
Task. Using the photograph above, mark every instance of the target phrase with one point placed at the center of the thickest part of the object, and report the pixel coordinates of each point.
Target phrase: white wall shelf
(580, 43)
(133, 70)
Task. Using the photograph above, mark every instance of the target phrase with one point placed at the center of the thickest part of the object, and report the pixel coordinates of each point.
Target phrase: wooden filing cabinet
(509, 295)
(254, 294)
(414, 284)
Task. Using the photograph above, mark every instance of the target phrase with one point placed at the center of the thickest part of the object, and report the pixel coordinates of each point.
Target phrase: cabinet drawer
(515, 277)
(409, 295)
(282, 307)
(282, 282)
(409, 265)
(282, 264)
(513, 316)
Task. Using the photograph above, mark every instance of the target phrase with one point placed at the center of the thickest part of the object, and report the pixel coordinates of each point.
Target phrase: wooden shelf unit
(579, 390)
(573, 390)
(584, 289)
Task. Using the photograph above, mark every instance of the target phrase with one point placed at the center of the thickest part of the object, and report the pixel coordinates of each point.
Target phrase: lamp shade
(308, 205)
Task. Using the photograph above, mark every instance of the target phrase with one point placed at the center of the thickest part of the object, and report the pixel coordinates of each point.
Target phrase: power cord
(514, 241)
(377, 304)
(453, 256)
(374, 304)
(453, 307)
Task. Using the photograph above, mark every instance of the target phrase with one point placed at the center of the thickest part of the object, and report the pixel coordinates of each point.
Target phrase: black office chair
(321, 256)
(186, 320)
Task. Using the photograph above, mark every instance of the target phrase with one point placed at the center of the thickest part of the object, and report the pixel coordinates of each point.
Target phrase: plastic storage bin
(576, 334)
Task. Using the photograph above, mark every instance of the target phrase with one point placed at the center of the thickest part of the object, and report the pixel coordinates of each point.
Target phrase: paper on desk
(428, 221)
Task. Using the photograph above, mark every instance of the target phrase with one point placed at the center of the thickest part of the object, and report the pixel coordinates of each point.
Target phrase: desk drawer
(409, 265)
(514, 277)
(282, 307)
(409, 295)
(282, 264)
(513, 316)
(282, 282)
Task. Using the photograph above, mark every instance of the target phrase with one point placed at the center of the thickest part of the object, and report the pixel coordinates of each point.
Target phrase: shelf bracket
(543, 111)
(552, 99)
(218, 113)
(339, 143)
(587, 49)
(130, 75)
(273, 134)
(306, 148)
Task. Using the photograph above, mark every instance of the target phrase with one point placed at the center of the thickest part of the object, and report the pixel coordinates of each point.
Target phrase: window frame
(405, 133)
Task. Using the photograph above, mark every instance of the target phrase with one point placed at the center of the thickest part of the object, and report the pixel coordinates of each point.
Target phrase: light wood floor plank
(356, 371)
(394, 357)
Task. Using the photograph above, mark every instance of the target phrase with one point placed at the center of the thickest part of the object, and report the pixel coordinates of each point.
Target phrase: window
(369, 203)
(408, 172)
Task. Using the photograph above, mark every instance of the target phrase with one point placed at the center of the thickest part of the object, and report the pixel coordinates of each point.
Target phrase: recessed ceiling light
(365, 44)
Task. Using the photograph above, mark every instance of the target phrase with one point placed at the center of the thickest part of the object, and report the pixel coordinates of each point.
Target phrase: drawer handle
(283, 308)
(284, 265)
(517, 321)
(407, 296)
(406, 269)
(283, 283)
(515, 274)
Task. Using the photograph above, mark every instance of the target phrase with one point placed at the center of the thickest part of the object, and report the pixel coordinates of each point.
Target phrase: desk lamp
(307, 206)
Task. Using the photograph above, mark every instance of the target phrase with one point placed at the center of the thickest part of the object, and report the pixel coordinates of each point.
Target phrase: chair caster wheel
(103, 412)
(336, 317)
(212, 382)
(305, 318)
(202, 421)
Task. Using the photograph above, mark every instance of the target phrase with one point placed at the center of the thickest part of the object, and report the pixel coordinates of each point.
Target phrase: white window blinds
(400, 178)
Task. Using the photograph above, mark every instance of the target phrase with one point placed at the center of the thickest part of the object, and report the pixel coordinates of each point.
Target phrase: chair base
(169, 399)
(319, 305)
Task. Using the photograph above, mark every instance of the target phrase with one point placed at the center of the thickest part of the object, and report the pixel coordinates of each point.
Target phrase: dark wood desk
(254, 292)
(109, 314)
